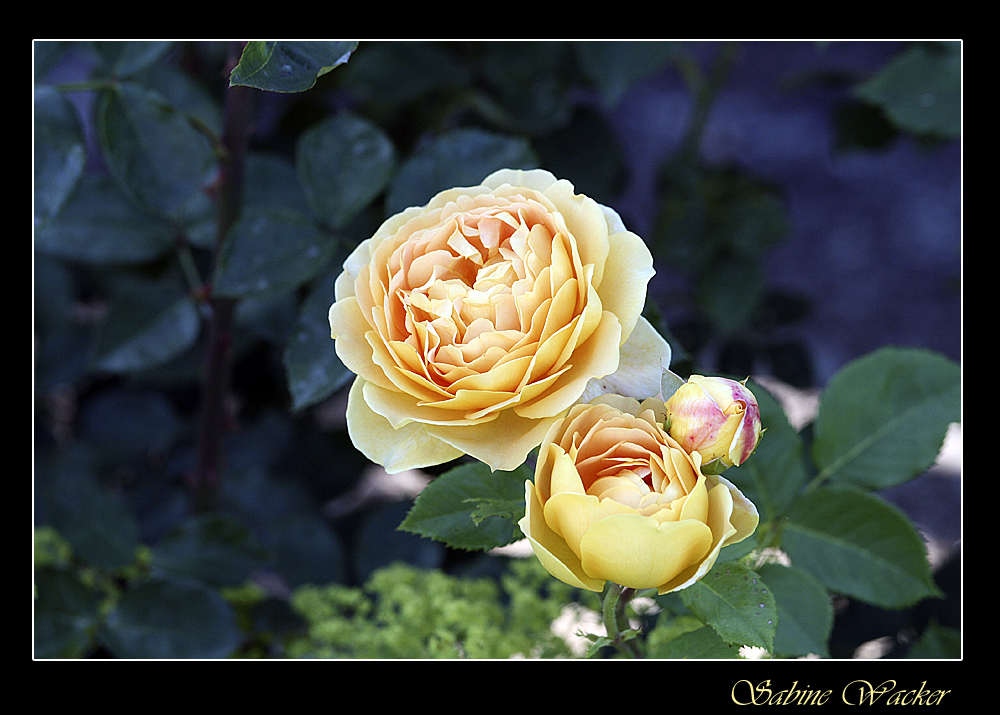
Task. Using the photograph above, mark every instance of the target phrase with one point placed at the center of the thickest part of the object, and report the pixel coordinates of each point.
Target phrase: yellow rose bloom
(475, 321)
(615, 498)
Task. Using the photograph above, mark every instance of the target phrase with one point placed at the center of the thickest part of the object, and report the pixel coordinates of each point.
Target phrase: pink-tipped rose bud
(716, 417)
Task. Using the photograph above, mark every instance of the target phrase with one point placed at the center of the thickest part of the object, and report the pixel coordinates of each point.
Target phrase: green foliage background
(157, 539)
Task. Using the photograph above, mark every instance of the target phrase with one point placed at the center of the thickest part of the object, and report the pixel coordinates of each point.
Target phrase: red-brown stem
(229, 195)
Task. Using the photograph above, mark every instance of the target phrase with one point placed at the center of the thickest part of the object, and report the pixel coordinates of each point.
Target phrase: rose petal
(643, 358)
(397, 450)
(550, 549)
(631, 264)
(638, 552)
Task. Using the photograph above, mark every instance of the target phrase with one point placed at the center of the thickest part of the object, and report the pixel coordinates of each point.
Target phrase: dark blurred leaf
(271, 251)
(531, 83)
(615, 66)
(184, 92)
(937, 642)
(444, 508)
(99, 225)
(288, 66)
(708, 212)
(47, 54)
(343, 163)
(313, 369)
(462, 157)
(730, 294)
(862, 126)
(171, 619)
(147, 324)
(383, 76)
(380, 542)
(921, 89)
(96, 523)
(127, 424)
(306, 550)
(123, 59)
(272, 183)
(560, 154)
(213, 549)
(66, 614)
(60, 152)
(154, 152)
(805, 613)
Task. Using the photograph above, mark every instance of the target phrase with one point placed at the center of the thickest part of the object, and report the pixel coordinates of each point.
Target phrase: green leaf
(805, 613)
(462, 157)
(701, 643)
(99, 225)
(271, 251)
(282, 66)
(343, 163)
(736, 603)
(921, 89)
(60, 152)
(444, 509)
(214, 549)
(157, 156)
(66, 614)
(775, 473)
(883, 417)
(312, 367)
(171, 619)
(147, 325)
(859, 546)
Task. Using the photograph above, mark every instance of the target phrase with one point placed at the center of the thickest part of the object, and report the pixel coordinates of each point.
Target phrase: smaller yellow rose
(716, 417)
(615, 498)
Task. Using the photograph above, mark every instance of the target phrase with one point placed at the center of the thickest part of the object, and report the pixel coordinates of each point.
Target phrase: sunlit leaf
(736, 603)
(857, 545)
(444, 508)
(883, 417)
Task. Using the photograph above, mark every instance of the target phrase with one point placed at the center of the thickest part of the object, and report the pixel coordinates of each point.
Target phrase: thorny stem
(229, 193)
(615, 620)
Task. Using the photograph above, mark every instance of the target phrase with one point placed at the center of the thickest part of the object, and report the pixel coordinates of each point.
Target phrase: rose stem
(229, 196)
(616, 622)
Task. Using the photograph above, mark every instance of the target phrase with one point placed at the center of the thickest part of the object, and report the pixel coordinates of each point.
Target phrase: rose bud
(716, 417)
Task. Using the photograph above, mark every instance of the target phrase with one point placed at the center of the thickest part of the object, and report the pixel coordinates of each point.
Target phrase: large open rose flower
(473, 322)
(615, 498)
